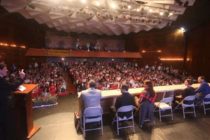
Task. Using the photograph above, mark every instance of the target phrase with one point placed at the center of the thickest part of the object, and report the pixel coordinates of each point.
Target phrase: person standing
(6, 89)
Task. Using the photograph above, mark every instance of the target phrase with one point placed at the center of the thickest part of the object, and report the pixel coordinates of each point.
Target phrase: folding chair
(165, 105)
(190, 104)
(206, 101)
(118, 119)
(92, 115)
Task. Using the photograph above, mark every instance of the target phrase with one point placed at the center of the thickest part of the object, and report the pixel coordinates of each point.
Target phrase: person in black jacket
(189, 90)
(124, 99)
(6, 89)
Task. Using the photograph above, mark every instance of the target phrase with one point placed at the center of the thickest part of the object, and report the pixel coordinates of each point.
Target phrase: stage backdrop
(83, 42)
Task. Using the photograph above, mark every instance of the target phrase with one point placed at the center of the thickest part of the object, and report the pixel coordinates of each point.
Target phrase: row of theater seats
(164, 107)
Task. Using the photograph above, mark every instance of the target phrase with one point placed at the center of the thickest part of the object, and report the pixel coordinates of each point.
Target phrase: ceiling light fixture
(170, 14)
(113, 5)
(182, 29)
(97, 3)
(83, 1)
(150, 10)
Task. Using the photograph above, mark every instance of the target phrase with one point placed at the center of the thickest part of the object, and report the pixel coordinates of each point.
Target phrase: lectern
(24, 110)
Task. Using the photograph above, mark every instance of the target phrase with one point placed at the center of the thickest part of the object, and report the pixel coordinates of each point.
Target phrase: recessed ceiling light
(129, 7)
(150, 10)
(161, 13)
(137, 9)
(97, 3)
(83, 1)
(170, 14)
(113, 5)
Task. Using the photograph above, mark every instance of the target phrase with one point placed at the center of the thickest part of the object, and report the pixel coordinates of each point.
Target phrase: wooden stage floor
(57, 123)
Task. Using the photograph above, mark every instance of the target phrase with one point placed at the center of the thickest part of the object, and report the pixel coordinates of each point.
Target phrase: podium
(24, 110)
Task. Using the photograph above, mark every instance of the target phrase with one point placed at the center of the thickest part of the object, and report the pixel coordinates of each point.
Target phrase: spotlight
(138, 10)
(182, 29)
(143, 51)
(159, 51)
(129, 7)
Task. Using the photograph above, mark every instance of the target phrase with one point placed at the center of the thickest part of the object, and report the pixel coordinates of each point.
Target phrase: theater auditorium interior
(105, 69)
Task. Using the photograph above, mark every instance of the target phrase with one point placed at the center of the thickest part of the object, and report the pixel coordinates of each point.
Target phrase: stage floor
(57, 123)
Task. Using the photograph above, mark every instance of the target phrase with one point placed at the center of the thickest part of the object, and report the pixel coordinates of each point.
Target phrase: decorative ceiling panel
(109, 17)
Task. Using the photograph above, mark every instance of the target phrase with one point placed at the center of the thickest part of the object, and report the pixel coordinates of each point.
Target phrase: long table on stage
(109, 96)
(24, 110)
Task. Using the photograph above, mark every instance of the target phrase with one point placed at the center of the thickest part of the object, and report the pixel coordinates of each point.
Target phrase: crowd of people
(110, 75)
(50, 80)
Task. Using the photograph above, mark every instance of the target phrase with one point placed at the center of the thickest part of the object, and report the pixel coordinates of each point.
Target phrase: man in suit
(6, 89)
(203, 89)
(124, 99)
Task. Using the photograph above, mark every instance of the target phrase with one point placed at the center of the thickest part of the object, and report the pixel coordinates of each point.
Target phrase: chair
(92, 115)
(165, 105)
(118, 119)
(206, 101)
(190, 104)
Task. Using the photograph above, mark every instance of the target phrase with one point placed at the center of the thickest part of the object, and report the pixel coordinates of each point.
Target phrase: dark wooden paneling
(168, 40)
(199, 49)
(86, 54)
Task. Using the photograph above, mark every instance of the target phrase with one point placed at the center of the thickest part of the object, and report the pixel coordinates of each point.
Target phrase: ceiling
(102, 17)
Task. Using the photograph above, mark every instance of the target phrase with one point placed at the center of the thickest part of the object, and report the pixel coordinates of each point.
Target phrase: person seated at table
(123, 100)
(189, 90)
(203, 89)
(90, 97)
(146, 103)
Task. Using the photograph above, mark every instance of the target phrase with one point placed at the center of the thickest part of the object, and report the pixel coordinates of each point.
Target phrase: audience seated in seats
(203, 89)
(52, 89)
(90, 97)
(108, 74)
(50, 82)
(113, 86)
(146, 103)
(123, 100)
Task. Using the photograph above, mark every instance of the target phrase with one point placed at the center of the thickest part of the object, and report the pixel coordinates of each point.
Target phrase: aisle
(71, 89)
